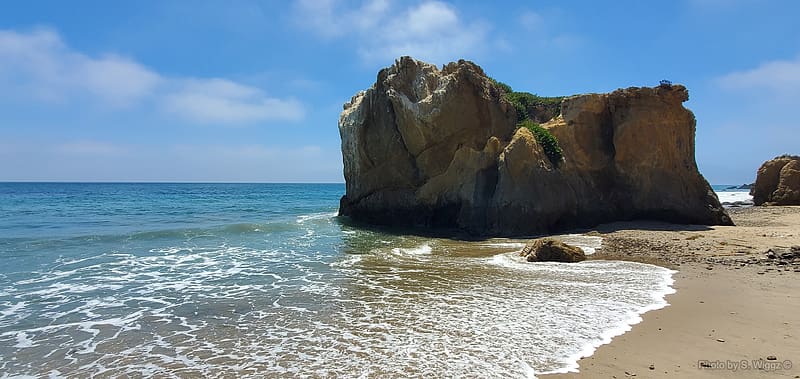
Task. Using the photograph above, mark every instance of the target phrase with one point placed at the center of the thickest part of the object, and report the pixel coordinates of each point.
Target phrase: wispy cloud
(95, 160)
(531, 20)
(329, 19)
(758, 111)
(39, 64)
(224, 101)
(781, 76)
(431, 30)
(544, 28)
(90, 147)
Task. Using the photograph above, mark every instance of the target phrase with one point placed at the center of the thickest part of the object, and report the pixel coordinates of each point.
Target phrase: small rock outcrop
(778, 182)
(552, 250)
(438, 148)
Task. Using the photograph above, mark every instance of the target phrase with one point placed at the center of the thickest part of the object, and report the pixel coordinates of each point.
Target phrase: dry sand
(736, 306)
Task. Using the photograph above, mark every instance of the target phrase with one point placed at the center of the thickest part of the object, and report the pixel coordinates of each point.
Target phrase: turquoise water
(255, 280)
(728, 188)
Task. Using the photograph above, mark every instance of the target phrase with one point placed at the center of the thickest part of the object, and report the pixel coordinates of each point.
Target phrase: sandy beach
(735, 310)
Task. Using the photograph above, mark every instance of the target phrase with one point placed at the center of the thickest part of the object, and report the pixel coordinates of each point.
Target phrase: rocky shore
(765, 238)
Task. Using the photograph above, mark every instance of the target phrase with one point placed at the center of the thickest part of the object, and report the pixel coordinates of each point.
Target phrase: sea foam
(734, 196)
(284, 289)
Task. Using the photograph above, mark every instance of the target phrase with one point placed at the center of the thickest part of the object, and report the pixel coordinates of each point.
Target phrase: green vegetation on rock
(505, 87)
(546, 139)
(525, 103)
(531, 108)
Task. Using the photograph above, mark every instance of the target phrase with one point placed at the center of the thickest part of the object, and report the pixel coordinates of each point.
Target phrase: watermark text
(744, 364)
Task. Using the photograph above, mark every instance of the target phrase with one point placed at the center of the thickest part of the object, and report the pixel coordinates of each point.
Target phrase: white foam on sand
(606, 319)
(347, 261)
(423, 249)
(402, 307)
(617, 329)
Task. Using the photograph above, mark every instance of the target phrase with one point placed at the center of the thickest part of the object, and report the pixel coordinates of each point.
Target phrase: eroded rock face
(778, 182)
(551, 250)
(439, 148)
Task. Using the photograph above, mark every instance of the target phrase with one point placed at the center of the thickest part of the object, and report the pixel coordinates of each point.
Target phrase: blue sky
(251, 90)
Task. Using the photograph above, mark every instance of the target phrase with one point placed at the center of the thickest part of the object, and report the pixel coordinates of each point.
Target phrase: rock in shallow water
(440, 149)
(551, 250)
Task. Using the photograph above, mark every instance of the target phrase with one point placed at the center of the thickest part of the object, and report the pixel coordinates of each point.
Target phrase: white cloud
(429, 18)
(327, 19)
(117, 78)
(318, 16)
(756, 109)
(224, 101)
(781, 76)
(431, 30)
(39, 65)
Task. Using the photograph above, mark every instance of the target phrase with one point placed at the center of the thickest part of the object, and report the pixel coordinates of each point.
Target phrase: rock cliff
(778, 182)
(440, 149)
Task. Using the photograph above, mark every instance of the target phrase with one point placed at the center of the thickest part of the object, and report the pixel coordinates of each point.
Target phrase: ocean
(263, 280)
(730, 193)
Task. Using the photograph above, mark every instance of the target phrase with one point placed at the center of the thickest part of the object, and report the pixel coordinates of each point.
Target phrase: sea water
(730, 194)
(263, 280)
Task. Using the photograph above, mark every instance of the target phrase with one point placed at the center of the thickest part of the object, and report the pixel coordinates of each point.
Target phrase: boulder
(551, 250)
(778, 182)
(439, 148)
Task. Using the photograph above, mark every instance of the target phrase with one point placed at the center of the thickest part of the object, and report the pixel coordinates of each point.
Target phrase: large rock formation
(778, 182)
(440, 149)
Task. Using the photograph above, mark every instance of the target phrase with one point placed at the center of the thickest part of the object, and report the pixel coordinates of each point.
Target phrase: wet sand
(736, 312)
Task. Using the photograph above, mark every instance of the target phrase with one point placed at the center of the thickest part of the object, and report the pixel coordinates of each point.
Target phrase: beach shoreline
(735, 305)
